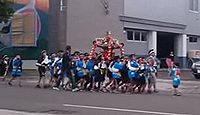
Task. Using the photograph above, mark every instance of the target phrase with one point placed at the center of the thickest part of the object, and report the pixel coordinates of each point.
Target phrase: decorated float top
(108, 44)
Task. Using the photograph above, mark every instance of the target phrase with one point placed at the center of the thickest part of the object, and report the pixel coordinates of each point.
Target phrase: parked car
(196, 69)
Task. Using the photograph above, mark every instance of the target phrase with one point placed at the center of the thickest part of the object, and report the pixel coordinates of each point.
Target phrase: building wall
(170, 11)
(158, 10)
(57, 38)
(153, 15)
(81, 21)
(162, 16)
(138, 48)
(193, 46)
(86, 20)
(193, 20)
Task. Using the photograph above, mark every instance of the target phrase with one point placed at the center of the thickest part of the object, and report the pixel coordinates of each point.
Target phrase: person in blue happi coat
(174, 73)
(16, 70)
(90, 74)
(80, 71)
(115, 67)
(133, 67)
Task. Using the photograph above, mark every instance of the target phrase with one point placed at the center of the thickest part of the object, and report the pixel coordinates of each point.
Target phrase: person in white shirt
(42, 64)
(153, 66)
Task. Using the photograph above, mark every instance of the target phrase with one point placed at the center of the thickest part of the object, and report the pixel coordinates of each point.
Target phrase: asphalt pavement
(28, 100)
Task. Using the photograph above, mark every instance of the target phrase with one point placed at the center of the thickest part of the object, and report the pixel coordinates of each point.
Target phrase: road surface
(28, 100)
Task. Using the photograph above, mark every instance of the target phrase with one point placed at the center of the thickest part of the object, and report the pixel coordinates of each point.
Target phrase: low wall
(29, 64)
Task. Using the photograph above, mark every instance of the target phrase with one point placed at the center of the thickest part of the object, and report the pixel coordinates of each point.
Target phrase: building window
(136, 35)
(130, 35)
(193, 39)
(194, 5)
(144, 36)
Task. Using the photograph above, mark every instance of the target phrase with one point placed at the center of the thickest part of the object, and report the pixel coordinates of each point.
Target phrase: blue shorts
(175, 86)
(16, 76)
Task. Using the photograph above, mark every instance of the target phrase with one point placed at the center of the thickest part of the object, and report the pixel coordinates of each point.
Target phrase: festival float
(108, 45)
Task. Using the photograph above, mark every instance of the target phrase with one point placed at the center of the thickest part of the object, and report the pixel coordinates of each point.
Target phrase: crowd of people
(122, 74)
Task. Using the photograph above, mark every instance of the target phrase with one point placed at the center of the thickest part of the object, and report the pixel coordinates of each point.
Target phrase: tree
(6, 10)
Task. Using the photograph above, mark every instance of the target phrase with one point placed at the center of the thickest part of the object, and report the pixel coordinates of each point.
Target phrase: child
(142, 73)
(102, 65)
(16, 69)
(125, 80)
(57, 70)
(116, 68)
(175, 75)
(133, 67)
(51, 66)
(80, 71)
(90, 74)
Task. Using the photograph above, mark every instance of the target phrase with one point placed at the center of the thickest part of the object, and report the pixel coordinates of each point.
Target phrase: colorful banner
(29, 29)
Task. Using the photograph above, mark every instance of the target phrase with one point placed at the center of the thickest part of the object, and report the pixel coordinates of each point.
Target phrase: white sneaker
(55, 88)
(75, 89)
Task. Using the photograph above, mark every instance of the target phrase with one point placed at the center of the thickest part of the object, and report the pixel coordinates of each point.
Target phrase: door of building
(165, 45)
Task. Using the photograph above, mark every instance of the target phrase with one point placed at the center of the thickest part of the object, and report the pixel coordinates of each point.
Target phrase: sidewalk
(186, 87)
(186, 75)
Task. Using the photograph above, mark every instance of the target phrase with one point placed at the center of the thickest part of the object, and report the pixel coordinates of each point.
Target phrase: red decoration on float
(108, 44)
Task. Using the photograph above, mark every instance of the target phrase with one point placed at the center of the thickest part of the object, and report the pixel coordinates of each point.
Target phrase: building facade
(141, 24)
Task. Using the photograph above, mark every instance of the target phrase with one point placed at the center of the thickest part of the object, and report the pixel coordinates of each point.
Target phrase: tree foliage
(6, 10)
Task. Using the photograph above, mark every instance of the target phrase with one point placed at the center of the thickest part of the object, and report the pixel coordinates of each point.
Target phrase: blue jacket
(133, 67)
(17, 67)
(80, 68)
(175, 79)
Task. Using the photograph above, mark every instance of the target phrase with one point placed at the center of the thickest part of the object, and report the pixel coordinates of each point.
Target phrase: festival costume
(17, 68)
(57, 67)
(80, 68)
(133, 67)
(117, 66)
(142, 73)
(175, 75)
(90, 67)
(152, 66)
(42, 64)
(3, 67)
(102, 71)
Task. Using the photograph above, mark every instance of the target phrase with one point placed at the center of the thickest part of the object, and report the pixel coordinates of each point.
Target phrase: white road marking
(12, 112)
(121, 110)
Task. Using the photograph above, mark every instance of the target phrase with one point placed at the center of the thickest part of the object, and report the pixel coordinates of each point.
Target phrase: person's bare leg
(38, 84)
(5, 75)
(9, 83)
(44, 81)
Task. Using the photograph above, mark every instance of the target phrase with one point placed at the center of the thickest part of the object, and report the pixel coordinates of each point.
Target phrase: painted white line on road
(12, 112)
(121, 110)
